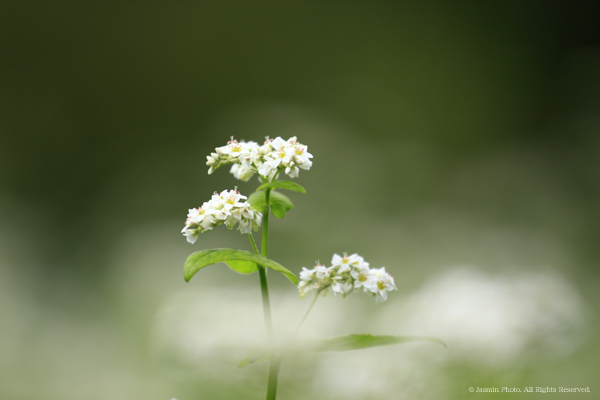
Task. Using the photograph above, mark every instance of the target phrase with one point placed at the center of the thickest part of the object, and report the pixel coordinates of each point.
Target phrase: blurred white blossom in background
(491, 319)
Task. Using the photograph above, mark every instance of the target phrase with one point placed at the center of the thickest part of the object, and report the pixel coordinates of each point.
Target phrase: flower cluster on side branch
(226, 208)
(345, 275)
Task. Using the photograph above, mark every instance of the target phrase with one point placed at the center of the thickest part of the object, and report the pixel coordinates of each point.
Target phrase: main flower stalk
(266, 302)
(264, 287)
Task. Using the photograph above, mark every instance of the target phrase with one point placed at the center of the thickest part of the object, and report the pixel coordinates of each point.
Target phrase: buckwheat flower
(313, 279)
(292, 155)
(247, 225)
(340, 287)
(228, 208)
(212, 161)
(362, 277)
(269, 168)
(307, 274)
(279, 144)
(346, 262)
(191, 233)
(322, 272)
(233, 148)
(247, 217)
(347, 274)
(266, 148)
(231, 199)
(301, 156)
(304, 287)
(274, 156)
(236, 153)
(199, 220)
(383, 283)
(241, 172)
(292, 171)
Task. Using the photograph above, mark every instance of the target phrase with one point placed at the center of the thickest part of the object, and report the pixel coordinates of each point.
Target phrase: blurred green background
(456, 143)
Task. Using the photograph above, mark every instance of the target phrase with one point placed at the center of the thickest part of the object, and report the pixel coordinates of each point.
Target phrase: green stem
(273, 375)
(253, 243)
(306, 315)
(264, 290)
(274, 359)
(265, 223)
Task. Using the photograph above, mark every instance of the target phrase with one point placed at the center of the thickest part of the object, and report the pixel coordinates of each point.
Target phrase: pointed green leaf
(238, 260)
(336, 343)
(363, 341)
(243, 362)
(280, 204)
(282, 185)
(255, 355)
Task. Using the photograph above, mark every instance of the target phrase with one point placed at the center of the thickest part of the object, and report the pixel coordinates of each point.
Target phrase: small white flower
(190, 234)
(245, 226)
(304, 287)
(362, 278)
(292, 171)
(307, 274)
(382, 283)
(269, 168)
(339, 287)
(242, 172)
(212, 159)
(322, 272)
(278, 143)
(346, 262)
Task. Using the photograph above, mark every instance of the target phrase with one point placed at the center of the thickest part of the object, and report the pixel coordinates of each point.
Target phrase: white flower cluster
(226, 208)
(267, 160)
(345, 275)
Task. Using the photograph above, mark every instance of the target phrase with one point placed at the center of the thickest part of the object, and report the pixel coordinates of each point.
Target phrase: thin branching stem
(306, 315)
(253, 244)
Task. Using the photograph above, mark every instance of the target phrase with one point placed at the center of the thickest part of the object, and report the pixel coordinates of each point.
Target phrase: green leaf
(280, 204)
(282, 185)
(257, 200)
(238, 260)
(243, 267)
(255, 355)
(243, 362)
(336, 343)
(363, 341)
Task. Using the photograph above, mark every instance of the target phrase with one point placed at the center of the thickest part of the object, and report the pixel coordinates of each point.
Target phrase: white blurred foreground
(150, 335)
(487, 320)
